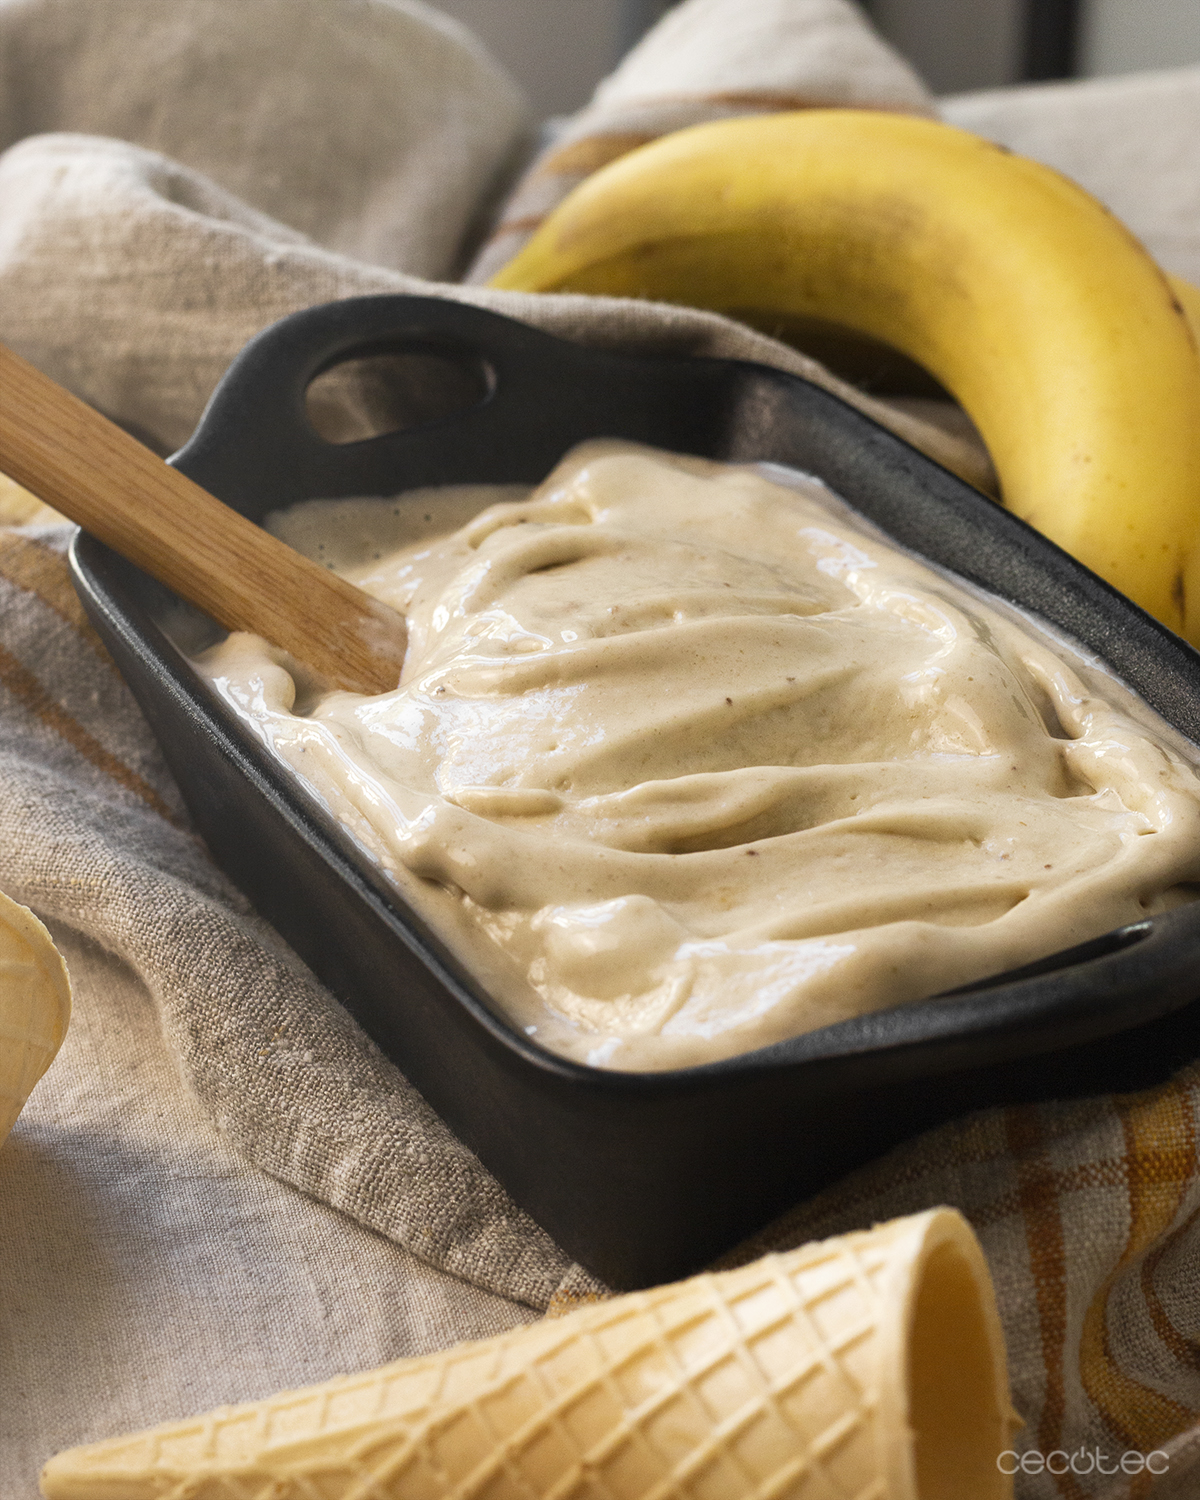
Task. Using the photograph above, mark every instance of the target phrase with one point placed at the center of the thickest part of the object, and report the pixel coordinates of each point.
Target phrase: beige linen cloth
(176, 177)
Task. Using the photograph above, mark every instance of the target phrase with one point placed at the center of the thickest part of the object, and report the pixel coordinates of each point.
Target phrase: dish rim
(1006, 1011)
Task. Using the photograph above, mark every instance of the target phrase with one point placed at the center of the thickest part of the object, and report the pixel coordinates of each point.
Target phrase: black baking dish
(643, 1177)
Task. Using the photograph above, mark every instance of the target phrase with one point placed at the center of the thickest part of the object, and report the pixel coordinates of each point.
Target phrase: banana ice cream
(686, 759)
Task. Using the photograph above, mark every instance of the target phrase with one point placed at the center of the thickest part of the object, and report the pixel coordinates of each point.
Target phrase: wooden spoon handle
(85, 466)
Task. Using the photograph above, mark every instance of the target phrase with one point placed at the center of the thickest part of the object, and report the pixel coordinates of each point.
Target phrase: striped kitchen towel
(1089, 1213)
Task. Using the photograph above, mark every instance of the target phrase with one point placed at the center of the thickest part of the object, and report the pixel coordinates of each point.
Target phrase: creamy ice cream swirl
(710, 764)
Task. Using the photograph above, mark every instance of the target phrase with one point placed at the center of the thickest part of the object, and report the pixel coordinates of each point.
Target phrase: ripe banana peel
(1188, 297)
(1024, 296)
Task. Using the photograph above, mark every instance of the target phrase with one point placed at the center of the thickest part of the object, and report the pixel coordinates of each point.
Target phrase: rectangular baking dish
(641, 1176)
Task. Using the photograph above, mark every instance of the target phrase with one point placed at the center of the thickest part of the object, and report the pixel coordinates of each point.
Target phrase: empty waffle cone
(869, 1367)
(35, 1006)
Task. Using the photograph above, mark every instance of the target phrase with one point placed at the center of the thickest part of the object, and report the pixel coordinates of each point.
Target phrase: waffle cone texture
(866, 1367)
(35, 1007)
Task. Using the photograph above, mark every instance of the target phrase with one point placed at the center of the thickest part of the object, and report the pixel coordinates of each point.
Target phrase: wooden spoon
(85, 466)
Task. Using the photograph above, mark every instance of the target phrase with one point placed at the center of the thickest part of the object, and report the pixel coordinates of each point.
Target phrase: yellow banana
(1188, 297)
(1032, 305)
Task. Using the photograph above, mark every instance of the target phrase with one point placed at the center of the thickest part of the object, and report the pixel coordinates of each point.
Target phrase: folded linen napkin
(145, 234)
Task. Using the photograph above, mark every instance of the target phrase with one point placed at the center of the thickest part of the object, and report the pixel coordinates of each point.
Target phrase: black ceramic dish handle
(541, 395)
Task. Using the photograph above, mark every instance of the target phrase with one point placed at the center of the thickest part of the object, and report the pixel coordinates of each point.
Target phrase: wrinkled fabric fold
(709, 60)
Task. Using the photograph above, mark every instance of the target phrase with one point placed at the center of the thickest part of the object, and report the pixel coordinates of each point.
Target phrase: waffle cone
(868, 1367)
(35, 1006)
